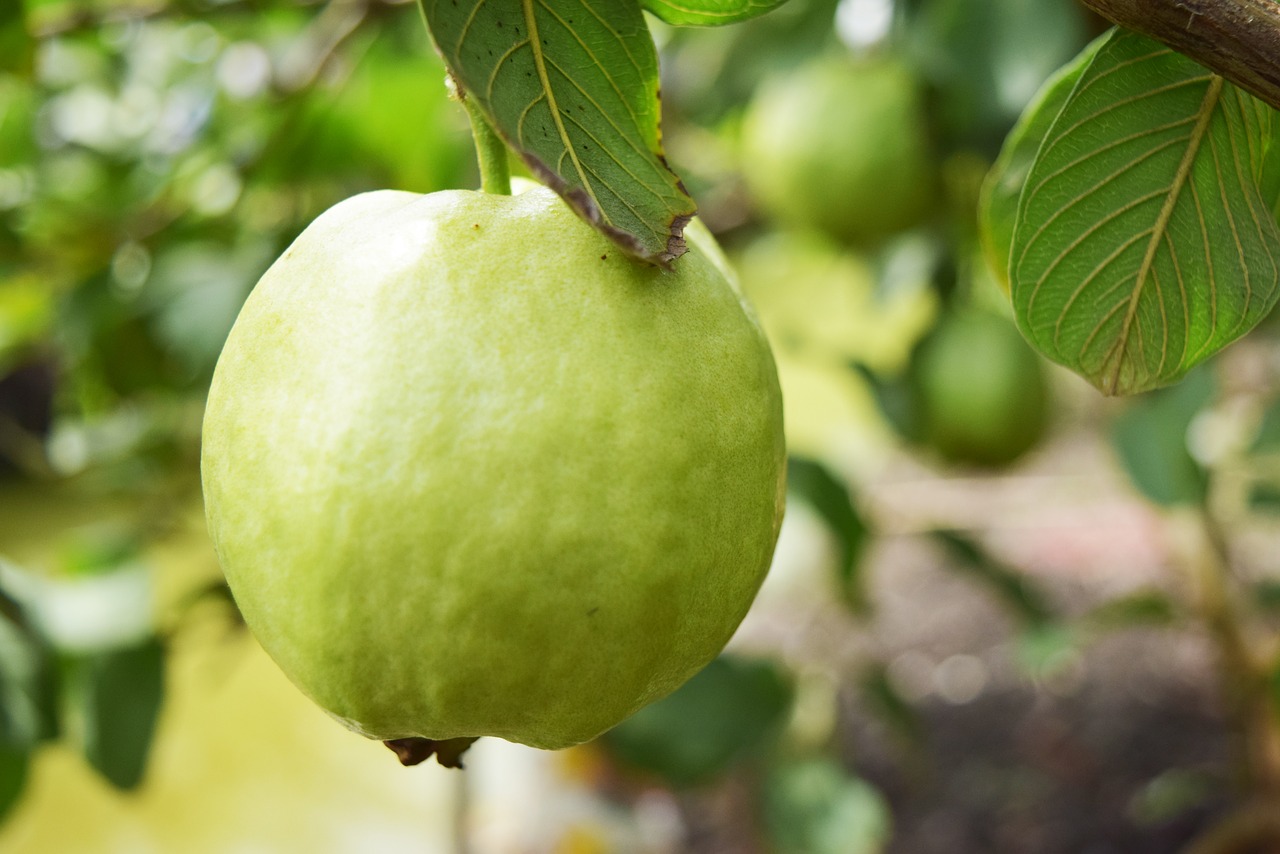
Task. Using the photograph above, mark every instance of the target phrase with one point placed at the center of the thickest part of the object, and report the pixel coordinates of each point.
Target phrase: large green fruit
(983, 394)
(842, 147)
(470, 471)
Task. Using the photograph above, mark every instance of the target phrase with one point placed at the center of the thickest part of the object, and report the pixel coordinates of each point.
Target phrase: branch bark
(1238, 39)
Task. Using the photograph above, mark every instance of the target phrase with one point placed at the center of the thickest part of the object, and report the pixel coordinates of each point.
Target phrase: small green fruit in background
(841, 146)
(982, 392)
(470, 471)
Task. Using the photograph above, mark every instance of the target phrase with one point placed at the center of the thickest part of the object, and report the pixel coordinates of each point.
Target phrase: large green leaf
(708, 13)
(572, 86)
(1143, 243)
(14, 763)
(119, 694)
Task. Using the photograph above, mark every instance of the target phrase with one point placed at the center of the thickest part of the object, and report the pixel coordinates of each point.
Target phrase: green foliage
(17, 48)
(14, 764)
(1141, 608)
(154, 157)
(708, 13)
(727, 713)
(998, 207)
(812, 483)
(985, 58)
(573, 87)
(1143, 242)
(1011, 588)
(1151, 439)
(149, 171)
(116, 695)
(815, 807)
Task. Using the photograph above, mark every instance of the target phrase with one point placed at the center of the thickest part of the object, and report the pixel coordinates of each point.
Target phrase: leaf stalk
(491, 151)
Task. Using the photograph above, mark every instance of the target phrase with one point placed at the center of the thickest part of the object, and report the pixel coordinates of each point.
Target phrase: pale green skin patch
(470, 471)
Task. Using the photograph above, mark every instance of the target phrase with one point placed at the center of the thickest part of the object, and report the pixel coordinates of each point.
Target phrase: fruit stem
(491, 151)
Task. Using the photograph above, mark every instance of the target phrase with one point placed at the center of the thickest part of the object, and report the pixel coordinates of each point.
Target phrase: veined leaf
(1150, 437)
(998, 204)
(814, 484)
(572, 86)
(1143, 243)
(708, 13)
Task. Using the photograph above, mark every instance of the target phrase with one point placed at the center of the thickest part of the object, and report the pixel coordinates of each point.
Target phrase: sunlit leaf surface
(708, 13)
(572, 85)
(1143, 242)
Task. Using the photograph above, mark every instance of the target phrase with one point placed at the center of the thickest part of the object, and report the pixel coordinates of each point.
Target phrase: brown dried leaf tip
(413, 750)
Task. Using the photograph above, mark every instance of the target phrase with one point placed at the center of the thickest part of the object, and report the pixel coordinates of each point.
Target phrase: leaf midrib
(1158, 233)
(539, 62)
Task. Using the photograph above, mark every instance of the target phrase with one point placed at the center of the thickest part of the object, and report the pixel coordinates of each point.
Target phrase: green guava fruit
(471, 471)
(841, 146)
(982, 392)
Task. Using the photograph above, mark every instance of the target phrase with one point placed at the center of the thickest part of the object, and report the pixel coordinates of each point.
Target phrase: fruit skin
(470, 471)
(983, 394)
(842, 147)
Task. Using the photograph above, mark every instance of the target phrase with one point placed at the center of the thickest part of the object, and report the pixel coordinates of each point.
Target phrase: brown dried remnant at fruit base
(414, 750)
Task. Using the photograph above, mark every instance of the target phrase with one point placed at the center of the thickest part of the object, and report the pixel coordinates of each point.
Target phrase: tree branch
(1238, 39)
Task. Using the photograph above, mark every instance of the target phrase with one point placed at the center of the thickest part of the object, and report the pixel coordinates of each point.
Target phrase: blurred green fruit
(843, 147)
(983, 395)
(471, 471)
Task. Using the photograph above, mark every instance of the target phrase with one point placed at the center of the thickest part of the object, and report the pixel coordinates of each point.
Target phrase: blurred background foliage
(1005, 614)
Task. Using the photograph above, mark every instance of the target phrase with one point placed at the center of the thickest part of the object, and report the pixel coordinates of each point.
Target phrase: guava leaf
(726, 712)
(28, 680)
(1150, 437)
(1011, 588)
(119, 694)
(986, 59)
(886, 702)
(816, 807)
(572, 86)
(998, 203)
(1143, 243)
(812, 483)
(17, 48)
(708, 13)
(14, 764)
(1140, 608)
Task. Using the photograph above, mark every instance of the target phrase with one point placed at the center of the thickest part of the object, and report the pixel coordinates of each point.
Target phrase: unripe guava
(984, 397)
(841, 146)
(471, 471)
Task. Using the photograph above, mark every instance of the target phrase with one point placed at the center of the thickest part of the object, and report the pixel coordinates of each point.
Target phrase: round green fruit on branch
(842, 147)
(470, 471)
(983, 395)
